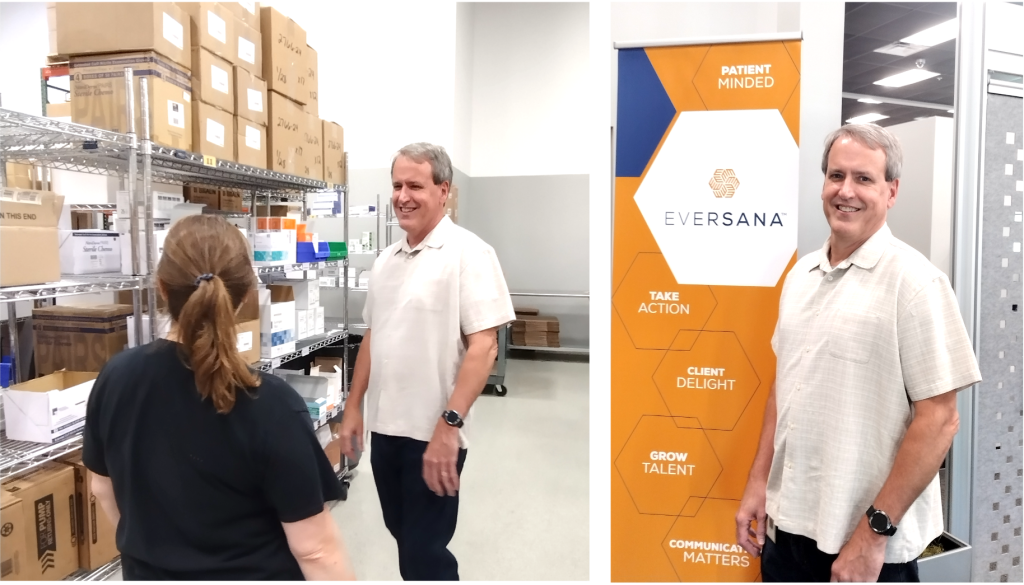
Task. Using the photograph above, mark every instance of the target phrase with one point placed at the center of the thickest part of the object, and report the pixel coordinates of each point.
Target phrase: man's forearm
(360, 374)
(766, 444)
(919, 457)
(476, 368)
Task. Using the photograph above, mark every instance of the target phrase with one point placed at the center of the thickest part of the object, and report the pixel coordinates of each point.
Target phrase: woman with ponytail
(209, 469)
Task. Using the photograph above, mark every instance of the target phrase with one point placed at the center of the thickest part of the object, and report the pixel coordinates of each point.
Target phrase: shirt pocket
(854, 336)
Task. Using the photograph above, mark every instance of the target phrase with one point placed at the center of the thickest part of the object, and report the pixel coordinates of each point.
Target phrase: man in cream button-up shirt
(871, 352)
(435, 302)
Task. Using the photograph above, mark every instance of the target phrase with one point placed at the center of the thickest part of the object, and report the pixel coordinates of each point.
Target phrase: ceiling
(871, 25)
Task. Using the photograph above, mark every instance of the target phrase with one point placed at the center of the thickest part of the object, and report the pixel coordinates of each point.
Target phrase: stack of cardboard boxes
(531, 329)
(28, 237)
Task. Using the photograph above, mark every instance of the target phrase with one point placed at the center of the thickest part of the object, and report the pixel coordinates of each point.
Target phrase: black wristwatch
(452, 419)
(879, 522)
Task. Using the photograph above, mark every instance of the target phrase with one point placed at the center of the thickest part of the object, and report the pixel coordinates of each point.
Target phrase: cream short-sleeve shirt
(421, 304)
(856, 345)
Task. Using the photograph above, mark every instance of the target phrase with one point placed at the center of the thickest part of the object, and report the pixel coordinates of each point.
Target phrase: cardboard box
(277, 321)
(312, 149)
(248, 12)
(47, 497)
(271, 248)
(333, 452)
(334, 152)
(97, 90)
(59, 110)
(79, 339)
(251, 98)
(318, 322)
(302, 323)
(284, 48)
(163, 327)
(96, 534)
(306, 293)
(250, 144)
(247, 324)
(213, 28)
(49, 409)
(213, 131)
(248, 48)
(231, 200)
(126, 250)
(21, 176)
(89, 252)
(451, 205)
(84, 28)
(28, 223)
(310, 80)
(213, 80)
(285, 135)
(13, 538)
(203, 194)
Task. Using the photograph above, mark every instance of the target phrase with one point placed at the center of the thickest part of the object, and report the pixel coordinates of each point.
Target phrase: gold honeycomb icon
(724, 183)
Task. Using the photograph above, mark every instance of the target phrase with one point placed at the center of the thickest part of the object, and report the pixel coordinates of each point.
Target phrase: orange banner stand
(705, 230)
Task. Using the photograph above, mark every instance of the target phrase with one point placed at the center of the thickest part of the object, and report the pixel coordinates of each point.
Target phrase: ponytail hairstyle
(205, 273)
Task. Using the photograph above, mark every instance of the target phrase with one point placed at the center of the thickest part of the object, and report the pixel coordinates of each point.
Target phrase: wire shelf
(180, 167)
(93, 207)
(101, 574)
(303, 348)
(280, 269)
(20, 456)
(77, 286)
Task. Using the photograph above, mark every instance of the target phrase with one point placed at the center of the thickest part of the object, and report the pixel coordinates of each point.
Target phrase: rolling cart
(496, 381)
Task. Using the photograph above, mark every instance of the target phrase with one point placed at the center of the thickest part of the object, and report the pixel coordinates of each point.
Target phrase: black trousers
(422, 522)
(796, 559)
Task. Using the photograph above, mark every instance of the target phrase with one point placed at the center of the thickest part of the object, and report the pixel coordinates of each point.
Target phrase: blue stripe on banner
(645, 111)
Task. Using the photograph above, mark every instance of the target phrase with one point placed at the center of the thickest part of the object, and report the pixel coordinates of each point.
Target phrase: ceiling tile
(906, 25)
(873, 15)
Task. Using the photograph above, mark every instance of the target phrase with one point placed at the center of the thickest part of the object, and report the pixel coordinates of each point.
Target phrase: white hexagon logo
(735, 228)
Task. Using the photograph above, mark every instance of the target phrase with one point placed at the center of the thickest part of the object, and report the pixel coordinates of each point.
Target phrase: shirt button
(789, 466)
(807, 350)
(791, 426)
(798, 386)
(830, 277)
(816, 313)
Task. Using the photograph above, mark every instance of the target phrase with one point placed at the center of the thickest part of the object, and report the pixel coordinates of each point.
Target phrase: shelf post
(147, 194)
(12, 324)
(343, 192)
(132, 180)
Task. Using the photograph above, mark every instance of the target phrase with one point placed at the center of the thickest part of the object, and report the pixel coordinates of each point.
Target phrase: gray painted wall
(538, 226)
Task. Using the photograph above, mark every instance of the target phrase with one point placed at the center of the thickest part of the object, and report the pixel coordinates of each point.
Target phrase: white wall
(463, 115)
(24, 43)
(530, 89)
(387, 72)
(821, 70)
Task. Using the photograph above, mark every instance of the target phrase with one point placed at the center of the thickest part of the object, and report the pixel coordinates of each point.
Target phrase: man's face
(856, 197)
(417, 201)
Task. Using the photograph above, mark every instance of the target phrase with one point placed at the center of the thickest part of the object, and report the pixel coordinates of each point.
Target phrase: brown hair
(205, 273)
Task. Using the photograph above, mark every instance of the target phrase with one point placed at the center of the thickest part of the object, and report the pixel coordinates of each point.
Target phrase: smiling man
(435, 302)
(871, 352)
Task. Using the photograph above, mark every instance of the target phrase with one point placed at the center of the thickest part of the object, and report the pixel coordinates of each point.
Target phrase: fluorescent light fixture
(949, 111)
(930, 37)
(866, 118)
(906, 78)
(868, 101)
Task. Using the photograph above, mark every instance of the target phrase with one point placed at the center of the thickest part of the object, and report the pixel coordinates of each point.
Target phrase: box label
(219, 79)
(186, 96)
(175, 114)
(46, 533)
(250, 6)
(255, 100)
(214, 132)
(252, 137)
(174, 32)
(244, 341)
(246, 50)
(217, 27)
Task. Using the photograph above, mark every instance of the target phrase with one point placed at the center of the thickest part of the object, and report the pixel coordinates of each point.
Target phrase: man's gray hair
(873, 137)
(421, 152)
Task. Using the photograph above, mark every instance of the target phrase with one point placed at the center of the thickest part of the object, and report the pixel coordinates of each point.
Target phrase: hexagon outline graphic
(625, 323)
(664, 541)
(683, 213)
(739, 413)
(625, 484)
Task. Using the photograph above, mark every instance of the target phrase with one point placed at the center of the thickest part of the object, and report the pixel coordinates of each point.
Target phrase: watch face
(451, 417)
(878, 521)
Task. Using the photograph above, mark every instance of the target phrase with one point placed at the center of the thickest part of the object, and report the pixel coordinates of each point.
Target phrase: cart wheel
(344, 491)
(500, 390)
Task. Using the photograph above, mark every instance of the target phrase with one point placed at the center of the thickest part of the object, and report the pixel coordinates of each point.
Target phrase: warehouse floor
(524, 505)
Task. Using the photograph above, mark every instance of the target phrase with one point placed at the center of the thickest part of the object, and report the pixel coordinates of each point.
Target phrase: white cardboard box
(318, 321)
(126, 251)
(328, 282)
(271, 248)
(307, 293)
(302, 323)
(163, 327)
(277, 326)
(89, 251)
(50, 409)
(162, 205)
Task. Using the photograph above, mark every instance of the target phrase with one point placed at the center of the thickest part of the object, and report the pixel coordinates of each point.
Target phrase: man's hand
(440, 459)
(752, 510)
(861, 558)
(351, 426)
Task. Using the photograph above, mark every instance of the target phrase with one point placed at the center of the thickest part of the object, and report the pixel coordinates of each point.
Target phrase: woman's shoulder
(274, 396)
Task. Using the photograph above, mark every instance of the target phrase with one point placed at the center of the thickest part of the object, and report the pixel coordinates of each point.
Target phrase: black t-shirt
(202, 495)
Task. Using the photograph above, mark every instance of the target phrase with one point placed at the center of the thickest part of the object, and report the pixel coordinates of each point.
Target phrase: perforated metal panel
(998, 465)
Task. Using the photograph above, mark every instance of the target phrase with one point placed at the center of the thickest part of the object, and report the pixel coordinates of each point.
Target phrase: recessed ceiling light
(868, 101)
(930, 37)
(906, 78)
(866, 118)
(900, 49)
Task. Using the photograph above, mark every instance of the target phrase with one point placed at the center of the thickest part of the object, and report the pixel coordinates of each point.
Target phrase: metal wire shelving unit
(52, 144)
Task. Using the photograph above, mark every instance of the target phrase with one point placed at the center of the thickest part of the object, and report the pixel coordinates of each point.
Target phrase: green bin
(339, 250)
